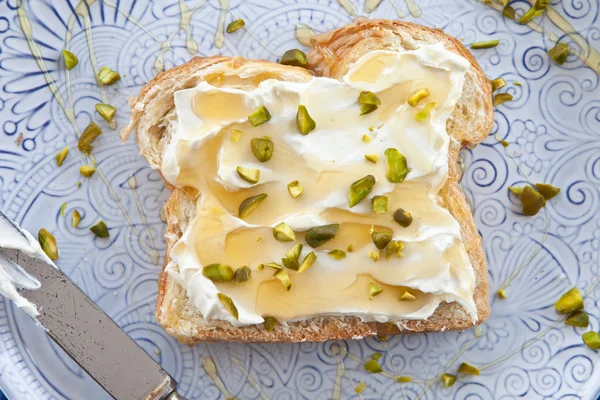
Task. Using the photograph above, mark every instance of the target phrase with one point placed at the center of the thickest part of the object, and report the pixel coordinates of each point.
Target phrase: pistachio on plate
(320, 235)
(360, 189)
(250, 204)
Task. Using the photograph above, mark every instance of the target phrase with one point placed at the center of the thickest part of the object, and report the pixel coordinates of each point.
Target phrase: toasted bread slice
(331, 56)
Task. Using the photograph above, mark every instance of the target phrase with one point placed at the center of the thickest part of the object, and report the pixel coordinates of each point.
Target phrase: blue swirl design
(552, 127)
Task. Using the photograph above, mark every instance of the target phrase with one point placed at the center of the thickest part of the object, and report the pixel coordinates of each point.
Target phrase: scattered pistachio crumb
(404, 379)
(504, 143)
(360, 387)
(502, 293)
(367, 138)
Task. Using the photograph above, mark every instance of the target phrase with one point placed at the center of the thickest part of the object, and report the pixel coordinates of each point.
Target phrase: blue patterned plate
(553, 126)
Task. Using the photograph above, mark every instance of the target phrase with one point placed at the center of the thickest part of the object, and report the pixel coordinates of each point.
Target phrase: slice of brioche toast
(153, 115)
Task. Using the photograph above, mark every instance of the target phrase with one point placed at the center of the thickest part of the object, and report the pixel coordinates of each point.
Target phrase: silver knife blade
(91, 337)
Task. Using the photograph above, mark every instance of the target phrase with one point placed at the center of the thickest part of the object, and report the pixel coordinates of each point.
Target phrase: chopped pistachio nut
(502, 293)
(497, 84)
(373, 367)
(76, 218)
(48, 244)
(368, 102)
(367, 108)
(559, 53)
(107, 76)
(397, 165)
(87, 170)
(294, 189)
(448, 380)
(374, 255)
(63, 207)
(71, 59)
(516, 190)
(235, 135)
(547, 191)
(360, 189)
(100, 229)
(78, 183)
(517, 83)
(376, 356)
(509, 12)
(294, 57)
(487, 44)
(374, 290)
(250, 204)
(529, 15)
(407, 296)
(259, 116)
(350, 248)
(106, 111)
(395, 247)
(532, 201)
(502, 98)
(337, 254)
(260, 267)
(229, 305)
(404, 379)
(591, 339)
(380, 204)
(272, 265)
(578, 318)
(569, 302)
(270, 323)
(504, 143)
(90, 133)
(367, 138)
(417, 96)
(468, 369)
(61, 156)
(541, 4)
(320, 235)
(308, 261)
(250, 175)
(374, 158)
(304, 121)
(425, 111)
(294, 252)
(381, 239)
(403, 217)
(218, 273)
(242, 274)
(235, 25)
(262, 149)
(283, 233)
(360, 387)
(284, 278)
(290, 263)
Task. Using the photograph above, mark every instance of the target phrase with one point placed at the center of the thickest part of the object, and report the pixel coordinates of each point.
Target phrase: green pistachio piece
(250, 204)
(559, 53)
(360, 189)
(100, 229)
(367, 138)
(541, 4)
(487, 44)
(529, 15)
(48, 244)
(591, 339)
(373, 367)
(272, 265)
(235, 135)
(367, 108)
(417, 96)
(106, 111)
(284, 278)
(380, 204)
(425, 111)
(283, 233)
(360, 387)
(502, 98)
(578, 318)
(71, 59)
(248, 174)
(504, 143)
(376, 356)
(87, 170)
(259, 117)
(403, 217)
(548, 191)
(374, 158)
(229, 305)
(374, 290)
(63, 207)
(532, 201)
(294, 189)
(235, 25)
(397, 165)
(242, 274)
(569, 302)
(320, 235)
(90, 133)
(395, 247)
(337, 254)
(381, 239)
(497, 84)
(290, 263)
(270, 323)
(262, 149)
(448, 380)
(374, 255)
(304, 121)
(308, 261)
(468, 369)
(502, 293)
(404, 379)
(367, 97)
(294, 57)
(61, 155)
(508, 12)
(294, 252)
(218, 273)
(76, 218)
(107, 76)
(407, 296)
(516, 190)
(350, 248)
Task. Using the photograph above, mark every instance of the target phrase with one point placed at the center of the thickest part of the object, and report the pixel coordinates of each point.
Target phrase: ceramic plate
(553, 126)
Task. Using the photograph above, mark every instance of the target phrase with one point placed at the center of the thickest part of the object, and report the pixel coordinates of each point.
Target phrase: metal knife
(90, 337)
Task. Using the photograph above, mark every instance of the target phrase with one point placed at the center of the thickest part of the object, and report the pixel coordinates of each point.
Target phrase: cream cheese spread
(202, 155)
